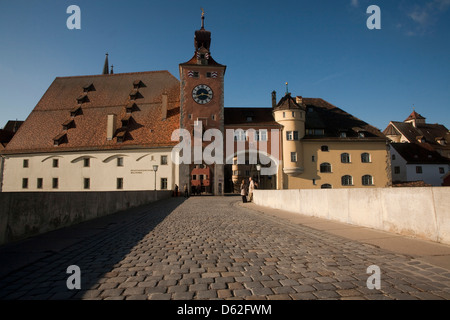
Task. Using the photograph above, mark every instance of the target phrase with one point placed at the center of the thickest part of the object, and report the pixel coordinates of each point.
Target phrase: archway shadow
(37, 266)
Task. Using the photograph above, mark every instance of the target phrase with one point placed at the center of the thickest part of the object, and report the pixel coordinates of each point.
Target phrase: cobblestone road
(214, 248)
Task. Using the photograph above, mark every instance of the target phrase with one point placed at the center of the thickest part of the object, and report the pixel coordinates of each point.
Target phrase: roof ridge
(116, 74)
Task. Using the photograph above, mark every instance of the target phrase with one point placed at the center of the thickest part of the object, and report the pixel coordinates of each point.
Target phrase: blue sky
(323, 49)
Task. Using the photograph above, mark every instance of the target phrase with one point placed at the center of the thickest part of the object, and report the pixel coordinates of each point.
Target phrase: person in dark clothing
(244, 191)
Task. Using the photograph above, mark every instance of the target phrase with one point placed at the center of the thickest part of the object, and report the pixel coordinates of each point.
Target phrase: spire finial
(106, 65)
(287, 88)
(203, 18)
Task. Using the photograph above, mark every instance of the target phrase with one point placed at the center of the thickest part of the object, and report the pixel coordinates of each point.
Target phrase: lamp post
(258, 167)
(155, 168)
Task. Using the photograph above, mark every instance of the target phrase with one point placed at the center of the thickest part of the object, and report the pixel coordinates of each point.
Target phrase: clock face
(202, 94)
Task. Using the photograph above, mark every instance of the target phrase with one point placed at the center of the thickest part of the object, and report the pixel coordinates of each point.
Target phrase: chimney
(299, 100)
(274, 99)
(110, 128)
(164, 107)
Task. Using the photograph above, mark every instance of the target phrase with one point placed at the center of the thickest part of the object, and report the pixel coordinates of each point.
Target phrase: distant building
(411, 162)
(415, 130)
(8, 132)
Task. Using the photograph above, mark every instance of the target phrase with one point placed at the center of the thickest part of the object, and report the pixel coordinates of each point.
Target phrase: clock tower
(202, 100)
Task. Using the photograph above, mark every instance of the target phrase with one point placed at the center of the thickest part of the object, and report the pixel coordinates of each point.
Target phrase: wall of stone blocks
(25, 214)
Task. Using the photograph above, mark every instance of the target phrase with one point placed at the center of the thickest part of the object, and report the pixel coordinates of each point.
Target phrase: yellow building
(325, 147)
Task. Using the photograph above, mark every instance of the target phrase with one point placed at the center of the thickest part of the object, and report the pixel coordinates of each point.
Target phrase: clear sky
(323, 49)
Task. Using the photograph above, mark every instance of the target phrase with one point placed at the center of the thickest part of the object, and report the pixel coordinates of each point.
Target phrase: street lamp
(155, 168)
(258, 167)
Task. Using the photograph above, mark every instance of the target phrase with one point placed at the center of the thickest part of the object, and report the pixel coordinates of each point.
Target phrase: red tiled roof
(414, 115)
(111, 96)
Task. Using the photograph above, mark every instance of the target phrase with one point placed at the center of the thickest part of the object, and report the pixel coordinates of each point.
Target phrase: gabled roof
(414, 116)
(429, 132)
(111, 96)
(416, 154)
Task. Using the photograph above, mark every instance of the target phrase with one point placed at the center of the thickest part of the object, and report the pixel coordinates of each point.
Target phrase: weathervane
(203, 18)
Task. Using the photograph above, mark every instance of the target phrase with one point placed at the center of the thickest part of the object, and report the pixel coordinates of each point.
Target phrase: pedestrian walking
(244, 192)
(251, 187)
(176, 191)
(186, 192)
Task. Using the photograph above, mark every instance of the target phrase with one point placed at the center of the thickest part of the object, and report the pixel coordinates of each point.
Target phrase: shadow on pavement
(36, 268)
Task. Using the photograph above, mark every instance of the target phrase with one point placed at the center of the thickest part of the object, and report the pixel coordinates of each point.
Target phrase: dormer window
(343, 134)
(121, 136)
(82, 99)
(138, 84)
(249, 118)
(89, 87)
(134, 94)
(126, 121)
(130, 107)
(68, 124)
(75, 111)
(361, 135)
(59, 139)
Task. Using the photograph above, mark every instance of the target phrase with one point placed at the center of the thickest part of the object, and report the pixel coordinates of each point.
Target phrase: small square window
(293, 156)
(441, 170)
(55, 183)
(25, 183)
(324, 148)
(39, 183)
(396, 170)
(55, 163)
(419, 169)
(120, 162)
(86, 162)
(163, 160)
(25, 163)
(119, 185)
(313, 158)
(208, 74)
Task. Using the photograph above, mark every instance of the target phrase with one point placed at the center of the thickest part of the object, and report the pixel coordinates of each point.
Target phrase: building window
(345, 158)
(419, 169)
(343, 134)
(361, 135)
(55, 163)
(314, 182)
(347, 180)
(365, 157)
(441, 170)
(87, 183)
(240, 135)
(393, 157)
(120, 162)
(194, 177)
(293, 156)
(25, 163)
(25, 183)
(55, 183)
(313, 158)
(324, 148)
(284, 114)
(86, 162)
(163, 183)
(119, 183)
(213, 117)
(39, 183)
(208, 74)
(367, 180)
(190, 116)
(292, 135)
(293, 114)
(247, 173)
(163, 160)
(326, 186)
(325, 167)
(263, 135)
(396, 170)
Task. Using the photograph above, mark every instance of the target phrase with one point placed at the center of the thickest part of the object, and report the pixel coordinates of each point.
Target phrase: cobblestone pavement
(215, 248)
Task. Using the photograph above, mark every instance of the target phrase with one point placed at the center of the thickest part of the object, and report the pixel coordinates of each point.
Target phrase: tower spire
(106, 65)
(203, 19)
